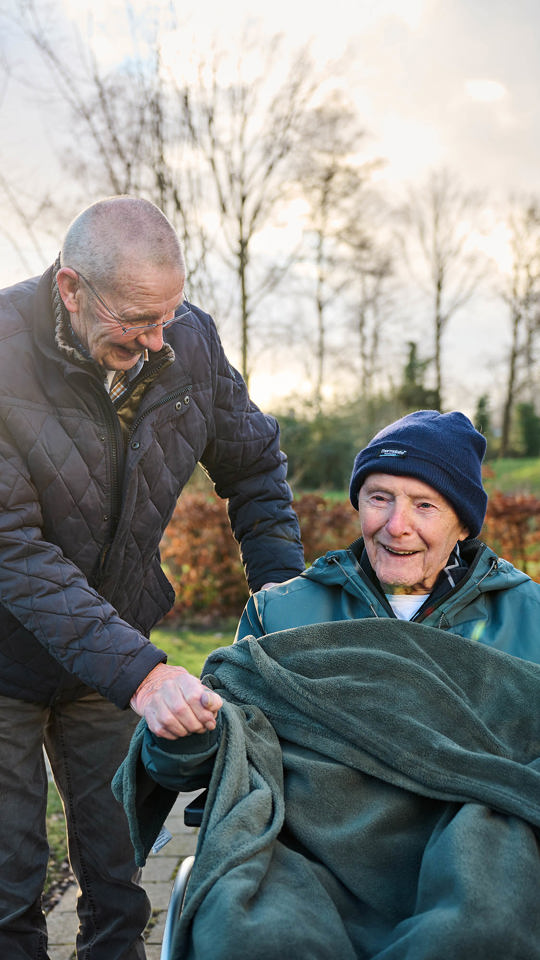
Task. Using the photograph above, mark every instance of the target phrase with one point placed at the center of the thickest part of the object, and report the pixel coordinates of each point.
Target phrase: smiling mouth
(399, 553)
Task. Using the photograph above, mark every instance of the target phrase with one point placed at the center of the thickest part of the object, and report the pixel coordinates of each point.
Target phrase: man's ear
(69, 288)
(464, 534)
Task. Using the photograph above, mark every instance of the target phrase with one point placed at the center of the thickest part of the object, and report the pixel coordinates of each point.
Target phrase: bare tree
(212, 152)
(25, 215)
(21, 210)
(522, 295)
(117, 130)
(435, 238)
(245, 131)
(332, 182)
(371, 291)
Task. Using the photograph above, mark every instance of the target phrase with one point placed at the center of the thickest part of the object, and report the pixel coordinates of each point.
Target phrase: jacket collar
(448, 578)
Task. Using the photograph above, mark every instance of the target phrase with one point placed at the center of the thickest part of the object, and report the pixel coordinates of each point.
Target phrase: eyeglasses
(183, 310)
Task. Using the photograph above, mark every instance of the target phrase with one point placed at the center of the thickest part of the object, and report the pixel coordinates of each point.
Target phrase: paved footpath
(157, 879)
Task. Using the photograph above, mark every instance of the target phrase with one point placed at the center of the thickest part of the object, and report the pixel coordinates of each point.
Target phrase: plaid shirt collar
(80, 348)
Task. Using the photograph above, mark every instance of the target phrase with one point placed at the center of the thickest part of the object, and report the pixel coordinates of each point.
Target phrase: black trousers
(85, 741)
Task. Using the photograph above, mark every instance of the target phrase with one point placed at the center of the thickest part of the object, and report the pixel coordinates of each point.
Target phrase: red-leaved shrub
(202, 561)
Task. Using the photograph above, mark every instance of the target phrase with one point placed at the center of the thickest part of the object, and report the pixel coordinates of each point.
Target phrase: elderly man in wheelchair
(374, 775)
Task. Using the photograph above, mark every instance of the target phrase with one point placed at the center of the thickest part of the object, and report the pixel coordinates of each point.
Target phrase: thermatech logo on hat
(391, 452)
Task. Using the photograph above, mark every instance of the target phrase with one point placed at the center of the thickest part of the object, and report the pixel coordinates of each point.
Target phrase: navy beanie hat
(442, 449)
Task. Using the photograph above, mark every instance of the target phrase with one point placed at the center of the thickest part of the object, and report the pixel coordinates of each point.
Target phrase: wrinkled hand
(174, 703)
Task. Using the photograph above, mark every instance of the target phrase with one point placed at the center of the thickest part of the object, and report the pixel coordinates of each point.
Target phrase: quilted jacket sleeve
(51, 598)
(249, 470)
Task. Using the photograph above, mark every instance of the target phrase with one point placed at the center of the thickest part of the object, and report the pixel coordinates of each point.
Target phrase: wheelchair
(193, 814)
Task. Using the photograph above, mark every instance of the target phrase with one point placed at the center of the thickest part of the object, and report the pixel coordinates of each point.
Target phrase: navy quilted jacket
(82, 515)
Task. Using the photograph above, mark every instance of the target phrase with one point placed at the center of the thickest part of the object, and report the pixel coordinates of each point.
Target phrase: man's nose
(151, 339)
(400, 520)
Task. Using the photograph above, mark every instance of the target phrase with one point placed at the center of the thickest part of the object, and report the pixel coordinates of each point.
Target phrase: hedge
(202, 561)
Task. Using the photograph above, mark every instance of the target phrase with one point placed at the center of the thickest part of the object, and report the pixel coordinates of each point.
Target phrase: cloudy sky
(456, 84)
(449, 83)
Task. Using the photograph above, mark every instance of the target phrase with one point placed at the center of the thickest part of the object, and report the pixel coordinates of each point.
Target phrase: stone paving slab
(160, 867)
(157, 879)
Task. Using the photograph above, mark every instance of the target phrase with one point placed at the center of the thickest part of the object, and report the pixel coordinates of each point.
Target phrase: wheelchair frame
(193, 814)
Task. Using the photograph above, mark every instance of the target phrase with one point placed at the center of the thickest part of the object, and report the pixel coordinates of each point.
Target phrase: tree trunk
(508, 408)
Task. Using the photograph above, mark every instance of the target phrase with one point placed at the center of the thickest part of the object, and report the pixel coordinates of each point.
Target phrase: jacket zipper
(115, 452)
(155, 406)
(423, 614)
(116, 486)
(334, 559)
(117, 458)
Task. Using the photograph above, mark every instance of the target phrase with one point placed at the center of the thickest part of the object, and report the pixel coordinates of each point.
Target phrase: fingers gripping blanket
(375, 793)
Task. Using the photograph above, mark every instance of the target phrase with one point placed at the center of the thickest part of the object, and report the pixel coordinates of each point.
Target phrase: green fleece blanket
(376, 793)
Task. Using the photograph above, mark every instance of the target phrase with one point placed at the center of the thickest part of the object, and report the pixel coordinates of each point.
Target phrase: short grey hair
(116, 230)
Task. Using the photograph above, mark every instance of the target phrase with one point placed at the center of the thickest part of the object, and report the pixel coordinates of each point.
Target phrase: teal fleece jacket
(494, 603)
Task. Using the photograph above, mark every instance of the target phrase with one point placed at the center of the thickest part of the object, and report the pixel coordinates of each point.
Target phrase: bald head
(113, 238)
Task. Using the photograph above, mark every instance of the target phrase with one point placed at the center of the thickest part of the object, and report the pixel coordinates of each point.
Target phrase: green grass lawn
(56, 833)
(188, 648)
(513, 476)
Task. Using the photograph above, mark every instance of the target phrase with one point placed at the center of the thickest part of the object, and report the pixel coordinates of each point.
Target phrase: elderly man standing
(112, 388)
(418, 490)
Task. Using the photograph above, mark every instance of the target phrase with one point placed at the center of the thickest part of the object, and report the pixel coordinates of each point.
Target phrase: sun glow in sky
(410, 148)
(485, 91)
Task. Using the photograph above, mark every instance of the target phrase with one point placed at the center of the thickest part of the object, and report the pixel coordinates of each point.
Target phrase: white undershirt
(405, 605)
(109, 379)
